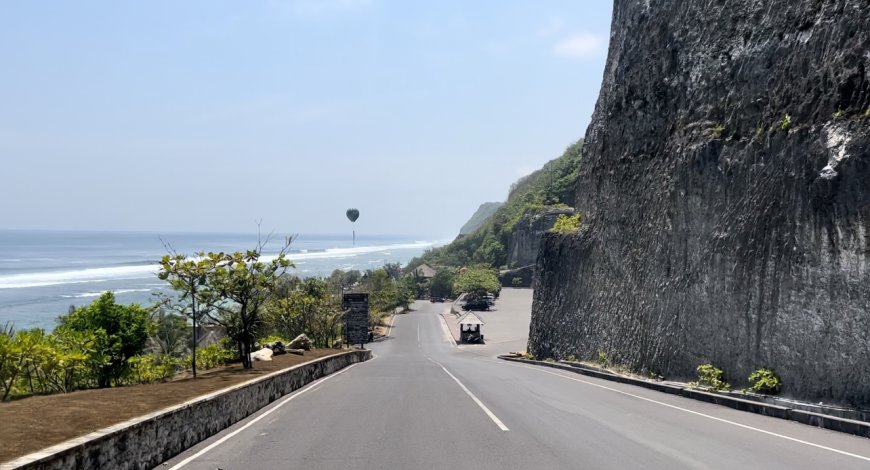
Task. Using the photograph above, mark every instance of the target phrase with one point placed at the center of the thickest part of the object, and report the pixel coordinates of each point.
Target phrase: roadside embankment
(146, 441)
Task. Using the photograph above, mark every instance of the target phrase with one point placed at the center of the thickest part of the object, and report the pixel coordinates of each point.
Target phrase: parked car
(476, 304)
(436, 299)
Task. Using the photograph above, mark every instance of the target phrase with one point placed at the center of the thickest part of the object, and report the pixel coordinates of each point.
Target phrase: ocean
(43, 273)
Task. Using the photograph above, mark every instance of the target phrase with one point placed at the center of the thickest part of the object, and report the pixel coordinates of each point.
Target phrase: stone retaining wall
(147, 441)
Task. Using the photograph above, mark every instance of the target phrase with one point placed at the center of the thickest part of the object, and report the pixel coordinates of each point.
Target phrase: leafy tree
(442, 284)
(383, 294)
(120, 332)
(170, 335)
(477, 282)
(188, 276)
(242, 284)
(491, 252)
(407, 291)
(310, 309)
(394, 271)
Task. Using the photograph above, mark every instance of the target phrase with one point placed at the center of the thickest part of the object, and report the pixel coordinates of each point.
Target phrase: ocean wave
(84, 295)
(53, 278)
(145, 271)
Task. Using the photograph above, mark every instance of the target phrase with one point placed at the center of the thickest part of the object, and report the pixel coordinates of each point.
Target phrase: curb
(848, 426)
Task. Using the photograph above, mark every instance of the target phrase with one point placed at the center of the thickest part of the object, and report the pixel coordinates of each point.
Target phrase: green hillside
(483, 213)
(551, 186)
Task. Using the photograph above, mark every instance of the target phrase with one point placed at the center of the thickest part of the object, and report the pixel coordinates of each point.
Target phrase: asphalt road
(423, 404)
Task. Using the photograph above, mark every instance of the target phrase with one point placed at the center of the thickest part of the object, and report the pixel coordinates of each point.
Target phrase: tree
(477, 282)
(120, 332)
(187, 276)
(491, 252)
(383, 295)
(407, 291)
(442, 284)
(242, 283)
(310, 309)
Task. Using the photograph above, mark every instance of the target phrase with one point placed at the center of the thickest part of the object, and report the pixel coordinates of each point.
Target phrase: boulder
(300, 342)
(338, 344)
(277, 348)
(264, 354)
(298, 352)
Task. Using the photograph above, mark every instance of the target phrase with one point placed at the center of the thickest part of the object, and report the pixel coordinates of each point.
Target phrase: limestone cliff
(725, 194)
(522, 248)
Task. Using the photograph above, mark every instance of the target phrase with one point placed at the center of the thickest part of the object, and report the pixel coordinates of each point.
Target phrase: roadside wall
(147, 441)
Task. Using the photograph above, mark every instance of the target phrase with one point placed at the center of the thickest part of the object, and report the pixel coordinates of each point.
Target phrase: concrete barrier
(147, 441)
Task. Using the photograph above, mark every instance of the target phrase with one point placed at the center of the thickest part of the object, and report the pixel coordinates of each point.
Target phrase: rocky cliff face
(725, 195)
(525, 239)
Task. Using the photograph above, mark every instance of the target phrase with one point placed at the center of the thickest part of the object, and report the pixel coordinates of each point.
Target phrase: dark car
(436, 299)
(476, 304)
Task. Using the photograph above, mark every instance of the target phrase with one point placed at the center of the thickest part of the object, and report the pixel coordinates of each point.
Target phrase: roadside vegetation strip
(714, 418)
(69, 426)
(476, 400)
(848, 426)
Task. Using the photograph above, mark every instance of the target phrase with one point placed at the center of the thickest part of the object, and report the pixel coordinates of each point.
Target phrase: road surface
(422, 403)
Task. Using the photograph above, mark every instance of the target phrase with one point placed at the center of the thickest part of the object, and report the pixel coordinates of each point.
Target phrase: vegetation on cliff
(480, 216)
(551, 186)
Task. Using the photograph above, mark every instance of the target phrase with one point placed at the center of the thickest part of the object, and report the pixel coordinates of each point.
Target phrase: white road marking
(819, 446)
(483, 407)
(392, 321)
(314, 385)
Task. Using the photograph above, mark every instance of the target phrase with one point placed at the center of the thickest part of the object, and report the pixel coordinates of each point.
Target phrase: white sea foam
(84, 295)
(52, 278)
(146, 271)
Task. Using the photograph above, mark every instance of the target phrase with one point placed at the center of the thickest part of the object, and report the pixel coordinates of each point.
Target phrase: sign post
(356, 318)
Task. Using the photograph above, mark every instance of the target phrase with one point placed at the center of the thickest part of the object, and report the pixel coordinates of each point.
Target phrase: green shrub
(150, 368)
(710, 377)
(838, 113)
(867, 113)
(717, 130)
(572, 358)
(602, 359)
(765, 381)
(517, 281)
(785, 124)
(567, 223)
(213, 355)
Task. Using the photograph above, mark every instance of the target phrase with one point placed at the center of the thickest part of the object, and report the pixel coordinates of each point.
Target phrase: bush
(765, 381)
(602, 359)
(567, 223)
(711, 378)
(215, 355)
(150, 368)
(785, 124)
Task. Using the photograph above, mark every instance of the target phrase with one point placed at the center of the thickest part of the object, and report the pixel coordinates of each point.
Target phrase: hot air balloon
(352, 215)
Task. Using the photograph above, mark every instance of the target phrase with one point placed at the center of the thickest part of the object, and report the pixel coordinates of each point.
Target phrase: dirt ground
(34, 423)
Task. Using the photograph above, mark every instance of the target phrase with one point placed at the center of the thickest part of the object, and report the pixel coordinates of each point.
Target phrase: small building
(424, 271)
(470, 328)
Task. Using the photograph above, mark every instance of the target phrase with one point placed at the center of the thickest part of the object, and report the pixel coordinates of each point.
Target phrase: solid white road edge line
(392, 321)
(819, 446)
(315, 384)
(483, 407)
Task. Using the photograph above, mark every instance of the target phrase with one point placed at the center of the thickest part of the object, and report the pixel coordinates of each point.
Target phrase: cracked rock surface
(725, 194)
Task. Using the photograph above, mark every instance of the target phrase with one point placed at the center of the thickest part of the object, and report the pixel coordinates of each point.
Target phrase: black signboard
(356, 319)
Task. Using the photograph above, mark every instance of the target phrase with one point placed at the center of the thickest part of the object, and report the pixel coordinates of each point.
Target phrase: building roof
(470, 319)
(424, 270)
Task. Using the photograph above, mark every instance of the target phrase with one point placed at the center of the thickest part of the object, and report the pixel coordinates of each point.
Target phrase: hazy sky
(207, 116)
